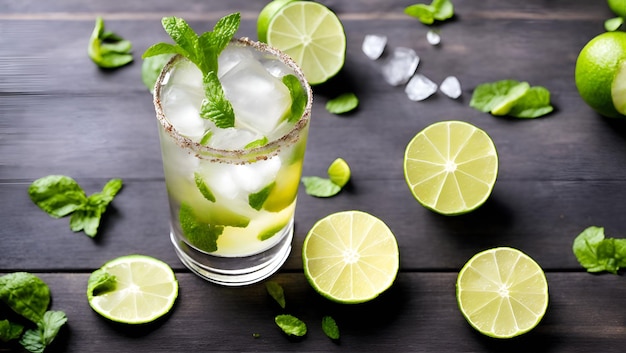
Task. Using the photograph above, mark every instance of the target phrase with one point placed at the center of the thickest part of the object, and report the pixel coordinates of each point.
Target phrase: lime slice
(142, 289)
(502, 292)
(510, 99)
(284, 192)
(339, 172)
(266, 15)
(312, 35)
(451, 167)
(350, 257)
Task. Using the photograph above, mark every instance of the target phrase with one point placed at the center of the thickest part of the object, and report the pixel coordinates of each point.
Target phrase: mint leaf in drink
(512, 98)
(256, 200)
(206, 137)
(36, 340)
(271, 231)
(257, 143)
(597, 253)
(291, 325)
(330, 328)
(100, 282)
(10, 331)
(107, 49)
(202, 235)
(151, 69)
(203, 187)
(276, 291)
(25, 294)
(439, 10)
(215, 106)
(298, 97)
(57, 195)
(320, 187)
(343, 103)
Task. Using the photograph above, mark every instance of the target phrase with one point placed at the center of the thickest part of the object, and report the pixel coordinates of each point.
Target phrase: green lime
(312, 35)
(339, 172)
(143, 289)
(350, 257)
(266, 15)
(502, 292)
(451, 167)
(601, 74)
(618, 6)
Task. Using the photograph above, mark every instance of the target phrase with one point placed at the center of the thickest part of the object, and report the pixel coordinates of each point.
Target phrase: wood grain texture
(60, 114)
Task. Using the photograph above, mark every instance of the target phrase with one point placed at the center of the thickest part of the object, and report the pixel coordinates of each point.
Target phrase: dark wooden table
(60, 114)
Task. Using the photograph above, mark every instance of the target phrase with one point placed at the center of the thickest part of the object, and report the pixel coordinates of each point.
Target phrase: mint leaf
(36, 341)
(342, 104)
(276, 291)
(439, 10)
(330, 328)
(57, 195)
(298, 97)
(202, 235)
(256, 200)
(87, 216)
(10, 331)
(487, 96)
(271, 231)
(215, 106)
(163, 49)
(320, 187)
(257, 143)
(151, 68)
(597, 253)
(203, 187)
(291, 325)
(183, 36)
(106, 49)
(206, 137)
(25, 294)
(533, 104)
(443, 9)
(100, 282)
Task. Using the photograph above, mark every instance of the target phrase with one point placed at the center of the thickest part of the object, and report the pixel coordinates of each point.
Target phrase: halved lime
(266, 15)
(339, 172)
(451, 167)
(502, 292)
(350, 257)
(312, 35)
(132, 289)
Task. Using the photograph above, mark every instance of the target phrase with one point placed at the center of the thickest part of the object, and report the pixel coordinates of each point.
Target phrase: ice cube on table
(232, 56)
(260, 100)
(433, 37)
(181, 105)
(400, 66)
(231, 138)
(374, 45)
(420, 88)
(451, 87)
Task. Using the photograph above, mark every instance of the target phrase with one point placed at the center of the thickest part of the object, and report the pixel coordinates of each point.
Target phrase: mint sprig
(203, 51)
(439, 10)
(107, 49)
(597, 253)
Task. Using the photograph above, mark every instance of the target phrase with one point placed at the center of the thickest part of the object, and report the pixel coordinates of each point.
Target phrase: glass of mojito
(232, 190)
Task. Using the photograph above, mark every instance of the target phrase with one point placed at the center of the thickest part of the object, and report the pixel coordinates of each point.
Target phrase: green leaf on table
(298, 98)
(257, 199)
(613, 24)
(26, 294)
(57, 195)
(291, 325)
(439, 10)
(151, 68)
(203, 187)
(100, 282)
(215, 106)
(330, 328)
(87, 216)
(320, 187)
(597, 253)
(343, 103)
(276, 291)
(10, 331)
(36, 340)
(107, 49)
(512, 98)
(202, 235)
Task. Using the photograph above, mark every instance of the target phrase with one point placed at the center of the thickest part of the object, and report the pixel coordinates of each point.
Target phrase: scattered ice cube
(231, 138)
(451, 87)
(259, 99)
(420, 88)
(433, 37)
(374, 45)
(232, 56)
(181, 107)
(399, 68)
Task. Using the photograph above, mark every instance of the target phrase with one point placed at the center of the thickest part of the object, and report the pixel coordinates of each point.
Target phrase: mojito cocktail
(232, 190)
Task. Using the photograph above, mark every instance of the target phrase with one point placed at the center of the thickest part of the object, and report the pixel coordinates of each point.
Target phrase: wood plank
(418, 314)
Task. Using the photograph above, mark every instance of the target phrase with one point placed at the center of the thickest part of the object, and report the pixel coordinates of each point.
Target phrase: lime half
(132, 289)
(312, 35)
(350, 257)
(451, 167)
(502, 292)
(266, 15)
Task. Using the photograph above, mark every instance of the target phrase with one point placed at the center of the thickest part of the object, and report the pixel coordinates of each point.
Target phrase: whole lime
(618, 6)
(601, 74)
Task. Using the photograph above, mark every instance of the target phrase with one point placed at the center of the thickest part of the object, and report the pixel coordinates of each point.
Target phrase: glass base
(235, 271)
